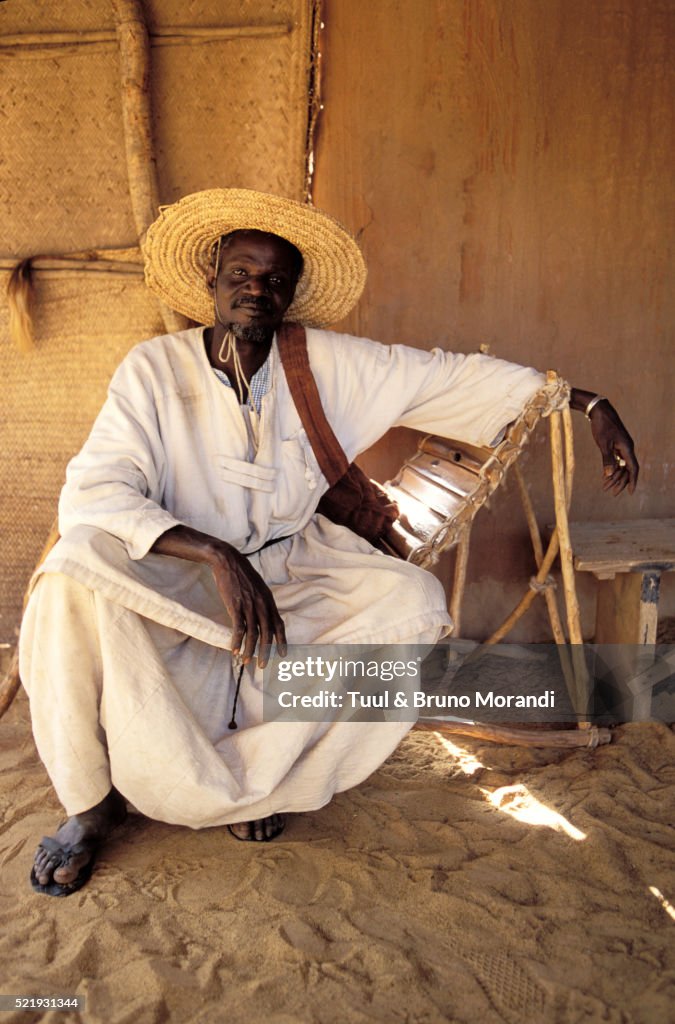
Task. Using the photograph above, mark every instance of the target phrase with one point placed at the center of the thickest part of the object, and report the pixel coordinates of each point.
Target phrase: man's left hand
(619, 466)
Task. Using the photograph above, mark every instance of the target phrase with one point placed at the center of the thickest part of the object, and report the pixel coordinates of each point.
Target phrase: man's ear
(211, 277)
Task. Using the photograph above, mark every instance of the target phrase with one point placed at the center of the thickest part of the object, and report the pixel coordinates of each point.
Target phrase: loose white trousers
(120, 699)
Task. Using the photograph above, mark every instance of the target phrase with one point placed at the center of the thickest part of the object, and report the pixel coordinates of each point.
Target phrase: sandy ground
(462, 882)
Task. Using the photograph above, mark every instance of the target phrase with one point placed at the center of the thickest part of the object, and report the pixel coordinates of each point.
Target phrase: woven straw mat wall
(228, 112)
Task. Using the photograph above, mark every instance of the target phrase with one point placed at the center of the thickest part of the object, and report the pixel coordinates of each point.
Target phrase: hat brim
(178, 246)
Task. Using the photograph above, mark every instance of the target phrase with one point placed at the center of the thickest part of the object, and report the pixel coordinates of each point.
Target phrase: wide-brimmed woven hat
(178, 247)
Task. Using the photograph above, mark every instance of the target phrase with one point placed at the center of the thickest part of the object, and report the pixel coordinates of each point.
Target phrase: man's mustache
(255, 302)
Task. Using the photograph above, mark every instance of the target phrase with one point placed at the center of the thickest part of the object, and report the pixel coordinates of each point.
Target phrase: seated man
(191, 544)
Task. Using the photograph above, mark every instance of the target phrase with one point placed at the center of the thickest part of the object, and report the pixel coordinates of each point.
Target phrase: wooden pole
(529, 596)
(535, 536)
(561, 496)
(12, 681)
(592, 737)
(568, 437)
(35, 45)
(10, 684)
(459, 582)
(120, 261)
(562, 526)
(134, 54)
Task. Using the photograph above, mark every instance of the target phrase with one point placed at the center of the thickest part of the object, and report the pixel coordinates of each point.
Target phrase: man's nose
(256, 284)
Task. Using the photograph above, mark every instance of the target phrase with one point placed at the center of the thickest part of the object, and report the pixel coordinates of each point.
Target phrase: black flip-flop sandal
(66, 851)
(252, 837)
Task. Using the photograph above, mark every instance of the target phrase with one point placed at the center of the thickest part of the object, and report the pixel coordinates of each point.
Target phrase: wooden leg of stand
(562, 525)
(459, 582)
(11, 682)
(625, 632)
(535, 536)
(581, 695)
(519, 737)
(549, 592)
(530, 595)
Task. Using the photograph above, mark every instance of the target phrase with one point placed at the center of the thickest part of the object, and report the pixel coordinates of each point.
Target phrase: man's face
(256, 283)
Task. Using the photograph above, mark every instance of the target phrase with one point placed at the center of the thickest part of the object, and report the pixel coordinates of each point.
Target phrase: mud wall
(508, 169)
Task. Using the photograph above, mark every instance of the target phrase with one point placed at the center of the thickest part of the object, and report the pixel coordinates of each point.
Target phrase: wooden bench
(627, 558)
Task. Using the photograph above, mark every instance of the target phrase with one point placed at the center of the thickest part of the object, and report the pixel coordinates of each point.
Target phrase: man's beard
(253, 333)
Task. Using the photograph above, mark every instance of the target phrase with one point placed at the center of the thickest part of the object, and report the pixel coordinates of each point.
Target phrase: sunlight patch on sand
(666, 904)
(465, 760)
(523, 806)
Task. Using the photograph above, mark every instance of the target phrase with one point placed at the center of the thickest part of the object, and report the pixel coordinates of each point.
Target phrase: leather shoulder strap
(292, 344)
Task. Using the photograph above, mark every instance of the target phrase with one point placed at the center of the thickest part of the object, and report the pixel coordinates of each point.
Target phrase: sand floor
(462, 882)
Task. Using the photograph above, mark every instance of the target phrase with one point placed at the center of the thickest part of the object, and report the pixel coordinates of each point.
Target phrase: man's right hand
(247, 598)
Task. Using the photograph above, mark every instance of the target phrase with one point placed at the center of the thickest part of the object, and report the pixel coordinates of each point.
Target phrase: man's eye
(238, 272)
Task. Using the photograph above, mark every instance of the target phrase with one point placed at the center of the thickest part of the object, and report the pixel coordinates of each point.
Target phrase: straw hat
(178, 245)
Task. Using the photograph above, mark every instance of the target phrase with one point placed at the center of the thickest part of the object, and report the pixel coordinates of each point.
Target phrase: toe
(274, 825)
(260, 830)
(41, 859)
(242, 829)
(43, 876)
(69, 871)
(44, 865)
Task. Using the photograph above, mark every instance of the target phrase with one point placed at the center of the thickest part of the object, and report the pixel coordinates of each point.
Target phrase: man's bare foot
(63, 862)
(261, 830)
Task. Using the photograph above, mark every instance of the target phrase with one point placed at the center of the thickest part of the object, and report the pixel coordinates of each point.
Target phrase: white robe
(143, 702)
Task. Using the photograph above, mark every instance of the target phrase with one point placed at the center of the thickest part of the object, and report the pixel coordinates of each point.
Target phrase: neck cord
(229, 352)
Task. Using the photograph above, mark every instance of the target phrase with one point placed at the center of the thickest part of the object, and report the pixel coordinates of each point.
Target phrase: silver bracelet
(592, 404)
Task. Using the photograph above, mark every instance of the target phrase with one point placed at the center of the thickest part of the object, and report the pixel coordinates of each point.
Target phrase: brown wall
(508, 169)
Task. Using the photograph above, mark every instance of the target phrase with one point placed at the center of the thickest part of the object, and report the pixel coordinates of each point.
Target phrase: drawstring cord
(233, 721)
(229, 351)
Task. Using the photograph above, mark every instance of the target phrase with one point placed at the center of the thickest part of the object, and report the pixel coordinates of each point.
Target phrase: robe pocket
(246, 474)
(300, 480)
(298, 461)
